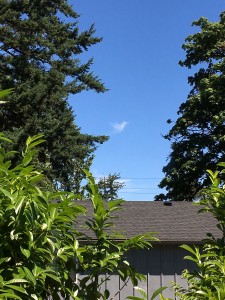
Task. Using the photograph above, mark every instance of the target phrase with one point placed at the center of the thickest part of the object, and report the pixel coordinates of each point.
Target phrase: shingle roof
(178, 223)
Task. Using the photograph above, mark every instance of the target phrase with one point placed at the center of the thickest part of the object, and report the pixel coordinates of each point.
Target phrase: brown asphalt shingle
(178, 223)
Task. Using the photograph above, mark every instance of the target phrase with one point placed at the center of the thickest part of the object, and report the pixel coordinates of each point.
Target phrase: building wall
(161, 265)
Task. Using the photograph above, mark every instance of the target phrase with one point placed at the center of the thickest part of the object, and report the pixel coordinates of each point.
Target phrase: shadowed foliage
(40, 57)
(197, 136)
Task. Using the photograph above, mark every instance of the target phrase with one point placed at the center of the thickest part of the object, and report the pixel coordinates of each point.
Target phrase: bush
(37, 238)
(39, 241)
(209, 281)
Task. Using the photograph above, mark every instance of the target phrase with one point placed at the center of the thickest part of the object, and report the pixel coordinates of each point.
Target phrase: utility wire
(141, 188)
(125, 178)
(134, 193)
(143, 178)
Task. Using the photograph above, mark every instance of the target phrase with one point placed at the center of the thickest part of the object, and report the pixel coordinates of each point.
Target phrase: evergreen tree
(109, 186)
(40, 48)
(198, 135)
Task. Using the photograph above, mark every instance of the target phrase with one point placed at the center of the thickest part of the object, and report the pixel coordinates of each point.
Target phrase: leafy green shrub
(104, 254)
(209, 281)
(39, 240)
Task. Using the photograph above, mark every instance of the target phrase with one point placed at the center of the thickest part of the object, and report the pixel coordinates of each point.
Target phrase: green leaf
(141, 291)
(17, 280)
(53, 277)
(19, 204)
(34, 144)
(29, 275)
(52, 244)
(106, 294)
(31, 236)
(17, 288)
(7, 194)
(37, 270)
(5, 259)
(2, 138)
(34, 141)
(158, 291)
(25, 252)
(28, 157)
(53, 213)
(188, 248)
(11, 153)
(5, 92)
(114, 204)
(76, 244)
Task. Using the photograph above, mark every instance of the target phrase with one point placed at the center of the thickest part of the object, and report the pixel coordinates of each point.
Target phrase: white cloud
(119, 127)
(125, 181)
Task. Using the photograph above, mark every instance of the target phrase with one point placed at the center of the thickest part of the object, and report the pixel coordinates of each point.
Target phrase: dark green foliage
(39, 240)
(109, 186)
(209, 281)
(197, 136)
(40, 52)
(37, 234)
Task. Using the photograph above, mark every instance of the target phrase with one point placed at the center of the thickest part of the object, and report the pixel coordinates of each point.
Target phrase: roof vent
(167, 203)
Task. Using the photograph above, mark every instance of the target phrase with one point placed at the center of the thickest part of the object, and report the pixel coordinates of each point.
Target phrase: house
(176, 223)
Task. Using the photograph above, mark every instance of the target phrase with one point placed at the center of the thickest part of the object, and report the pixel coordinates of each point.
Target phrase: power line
(134, 193)
(141, 188)
(129, 178)
(143, 178)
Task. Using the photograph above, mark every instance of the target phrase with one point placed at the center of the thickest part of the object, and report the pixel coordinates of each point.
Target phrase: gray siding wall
(161, 265)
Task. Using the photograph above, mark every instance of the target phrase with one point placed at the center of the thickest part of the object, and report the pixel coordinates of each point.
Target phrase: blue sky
(138, 62)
